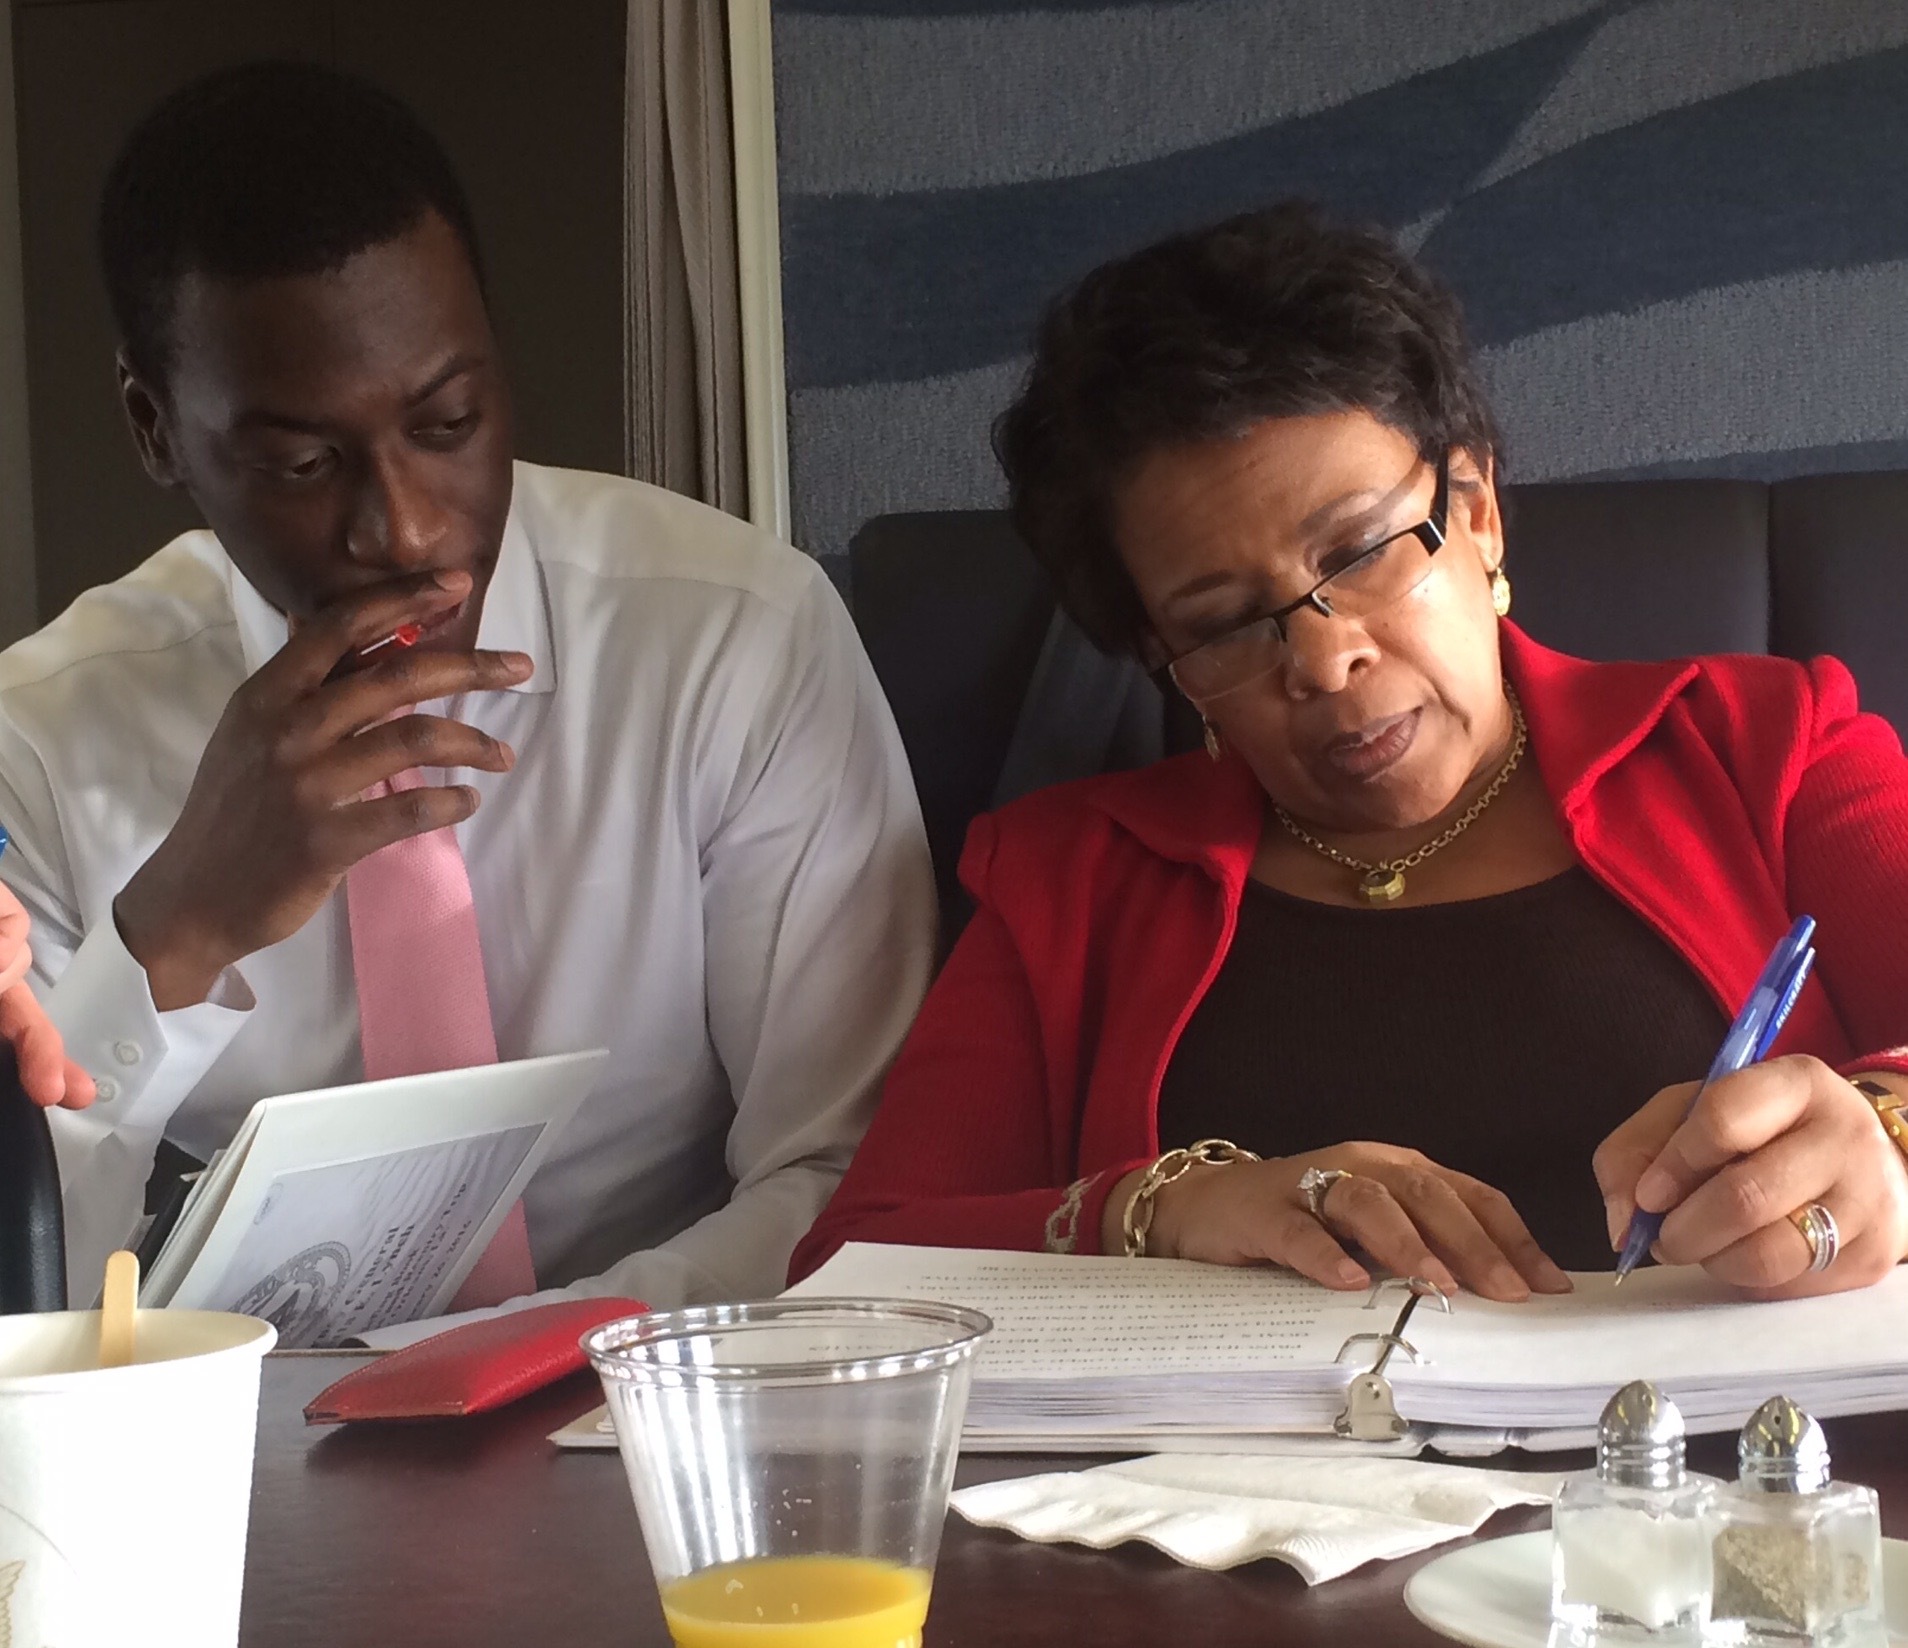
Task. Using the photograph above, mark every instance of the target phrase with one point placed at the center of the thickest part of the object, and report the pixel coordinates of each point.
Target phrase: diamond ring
(1820, 1231)
(1315, 1184)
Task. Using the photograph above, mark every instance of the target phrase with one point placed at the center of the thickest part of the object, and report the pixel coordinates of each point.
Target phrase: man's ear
(146, 417)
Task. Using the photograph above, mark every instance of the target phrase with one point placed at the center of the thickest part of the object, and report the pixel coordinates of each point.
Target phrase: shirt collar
(516, 615)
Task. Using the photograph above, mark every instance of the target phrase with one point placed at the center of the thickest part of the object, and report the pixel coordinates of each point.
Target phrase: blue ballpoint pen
(1749, 1038)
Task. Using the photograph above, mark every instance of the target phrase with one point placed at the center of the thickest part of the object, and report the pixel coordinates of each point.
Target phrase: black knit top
(1503, 1036)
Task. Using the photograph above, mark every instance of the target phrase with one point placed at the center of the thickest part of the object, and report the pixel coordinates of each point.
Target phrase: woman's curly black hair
(1272, 314)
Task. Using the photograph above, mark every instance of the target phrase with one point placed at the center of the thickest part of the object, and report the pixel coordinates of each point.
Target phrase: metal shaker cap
(1782, 1450)
(1640, 1439)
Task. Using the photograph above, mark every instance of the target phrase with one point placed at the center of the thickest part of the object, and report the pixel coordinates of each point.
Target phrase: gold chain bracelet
(1137, 1221)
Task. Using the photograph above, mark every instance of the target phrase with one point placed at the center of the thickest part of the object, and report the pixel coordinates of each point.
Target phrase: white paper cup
(124, 1492)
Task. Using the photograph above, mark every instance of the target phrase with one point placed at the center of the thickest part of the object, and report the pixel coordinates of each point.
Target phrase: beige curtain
(682, 342)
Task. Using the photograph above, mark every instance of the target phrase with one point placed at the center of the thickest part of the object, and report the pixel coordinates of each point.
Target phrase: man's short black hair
(262, 171)
(1278, 313)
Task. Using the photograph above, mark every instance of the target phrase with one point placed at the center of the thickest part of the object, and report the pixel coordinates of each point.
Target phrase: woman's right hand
(48, 1075)
(1406, 1213)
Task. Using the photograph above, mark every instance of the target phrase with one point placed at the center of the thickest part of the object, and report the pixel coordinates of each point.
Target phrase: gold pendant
(1382, 885)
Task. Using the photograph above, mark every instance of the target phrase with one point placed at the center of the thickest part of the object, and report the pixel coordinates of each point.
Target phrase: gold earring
(1214, 748)
(1500, 592)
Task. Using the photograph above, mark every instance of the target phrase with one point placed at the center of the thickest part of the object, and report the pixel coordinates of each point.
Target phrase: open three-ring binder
(1094, 1354)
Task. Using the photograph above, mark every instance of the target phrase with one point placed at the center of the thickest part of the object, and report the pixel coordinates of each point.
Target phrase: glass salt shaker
(1797, 1556)
(1630, 1552)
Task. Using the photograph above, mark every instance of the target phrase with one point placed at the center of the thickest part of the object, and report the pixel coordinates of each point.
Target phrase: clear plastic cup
(790, 1462)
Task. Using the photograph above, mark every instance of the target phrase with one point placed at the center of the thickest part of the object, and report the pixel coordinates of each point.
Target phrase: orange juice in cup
(799, 1602)
(790, 1463)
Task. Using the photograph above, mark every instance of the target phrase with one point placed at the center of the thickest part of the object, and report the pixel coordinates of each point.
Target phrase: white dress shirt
(708, 858)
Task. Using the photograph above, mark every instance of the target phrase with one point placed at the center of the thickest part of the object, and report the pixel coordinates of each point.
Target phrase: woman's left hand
(1760, 1146)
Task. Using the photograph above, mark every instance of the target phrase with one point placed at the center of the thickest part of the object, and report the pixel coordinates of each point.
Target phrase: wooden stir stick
(118, 1306)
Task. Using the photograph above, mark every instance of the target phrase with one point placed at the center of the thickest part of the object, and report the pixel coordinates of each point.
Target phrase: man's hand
(276, 815)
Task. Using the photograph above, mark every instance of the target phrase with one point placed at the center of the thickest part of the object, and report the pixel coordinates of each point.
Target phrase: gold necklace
(1383, 881)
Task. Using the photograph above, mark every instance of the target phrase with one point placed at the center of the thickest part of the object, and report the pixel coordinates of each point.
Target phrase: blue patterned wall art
(1680, 227)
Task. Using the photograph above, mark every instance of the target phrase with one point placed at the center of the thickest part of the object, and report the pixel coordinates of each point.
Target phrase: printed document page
(1673, 1321)
(357, 1207)
(1554, 1360)
(1089, 1316)
(334, 1251)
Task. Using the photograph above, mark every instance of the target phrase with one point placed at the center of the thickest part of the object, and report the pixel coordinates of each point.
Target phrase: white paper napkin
(1324, 1516)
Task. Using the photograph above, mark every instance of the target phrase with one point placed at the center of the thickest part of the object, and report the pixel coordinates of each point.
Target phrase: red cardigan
(1716, 799)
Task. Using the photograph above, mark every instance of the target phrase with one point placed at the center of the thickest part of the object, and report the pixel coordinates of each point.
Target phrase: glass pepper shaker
(1797, 1555)
(1630, 1552)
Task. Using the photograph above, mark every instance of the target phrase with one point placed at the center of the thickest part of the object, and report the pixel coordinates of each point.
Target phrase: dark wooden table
(477, 1533)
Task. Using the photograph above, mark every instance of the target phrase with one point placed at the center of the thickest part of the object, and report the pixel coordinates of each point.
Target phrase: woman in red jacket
(1436, 936)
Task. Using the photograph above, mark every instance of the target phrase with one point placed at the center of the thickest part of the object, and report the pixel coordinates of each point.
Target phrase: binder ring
(1390, 1341)
(1417, 1286)
(1371, 1412)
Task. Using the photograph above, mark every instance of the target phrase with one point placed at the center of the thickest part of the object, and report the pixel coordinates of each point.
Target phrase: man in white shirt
(686, 816)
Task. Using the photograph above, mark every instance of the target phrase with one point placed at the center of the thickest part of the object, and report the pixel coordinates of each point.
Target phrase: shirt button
(107, 1089)
(128, 1052)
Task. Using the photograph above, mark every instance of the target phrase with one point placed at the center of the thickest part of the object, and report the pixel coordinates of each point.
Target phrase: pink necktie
(422, 1001)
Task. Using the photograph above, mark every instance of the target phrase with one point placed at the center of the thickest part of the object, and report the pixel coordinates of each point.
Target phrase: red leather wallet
(471, 1369)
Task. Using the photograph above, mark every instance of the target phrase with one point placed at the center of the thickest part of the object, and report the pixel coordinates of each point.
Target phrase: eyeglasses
(1386, 572)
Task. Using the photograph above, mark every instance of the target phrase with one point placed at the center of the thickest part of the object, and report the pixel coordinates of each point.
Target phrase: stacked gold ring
(1820, 1231)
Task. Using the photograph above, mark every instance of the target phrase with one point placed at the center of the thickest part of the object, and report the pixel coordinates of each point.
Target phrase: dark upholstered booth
(992, 697)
